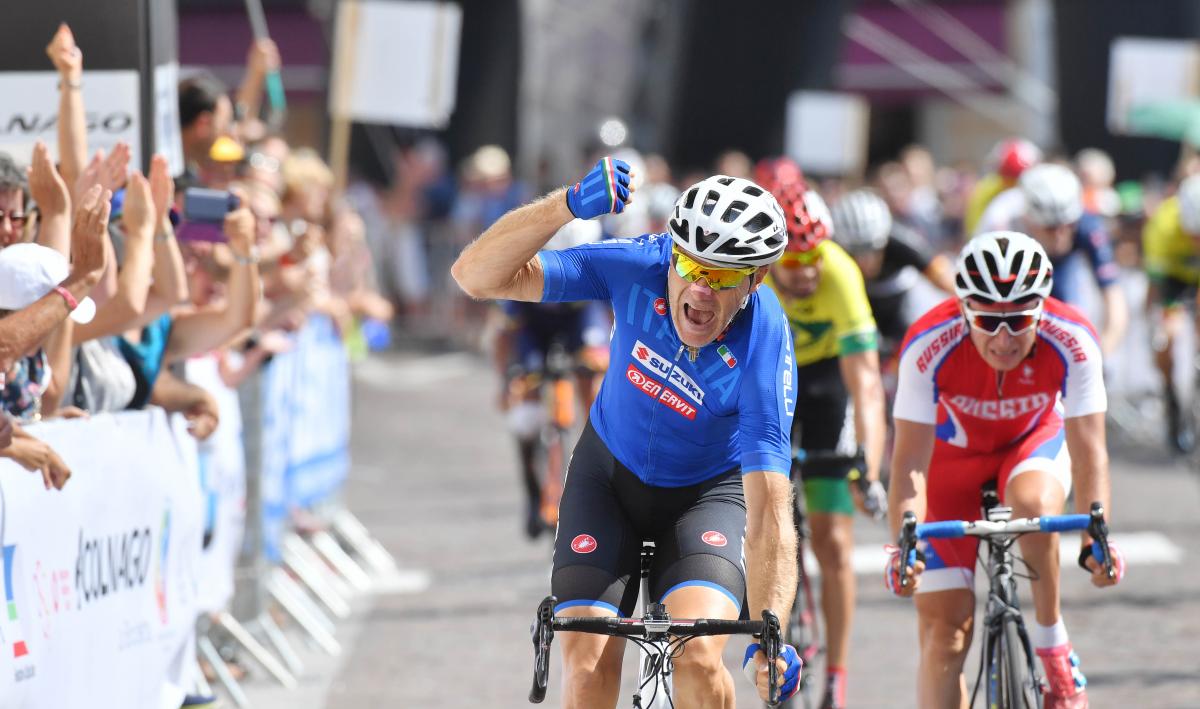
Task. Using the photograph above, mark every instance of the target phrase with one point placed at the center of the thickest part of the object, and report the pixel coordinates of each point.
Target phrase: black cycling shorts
(824, 421)
(606, 512)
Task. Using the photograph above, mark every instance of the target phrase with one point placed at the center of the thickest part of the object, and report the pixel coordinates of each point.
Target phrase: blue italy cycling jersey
(671, 421)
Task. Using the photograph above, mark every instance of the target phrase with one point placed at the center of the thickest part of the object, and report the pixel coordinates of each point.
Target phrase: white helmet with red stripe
(1003, 267)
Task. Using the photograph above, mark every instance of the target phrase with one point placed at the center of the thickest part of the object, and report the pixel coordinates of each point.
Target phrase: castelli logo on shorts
(714, 539)
(585, 544)
(660, 306)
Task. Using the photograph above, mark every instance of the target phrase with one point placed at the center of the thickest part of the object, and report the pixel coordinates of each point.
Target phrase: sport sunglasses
(716, 278)
(1017, 323)
(796, 259)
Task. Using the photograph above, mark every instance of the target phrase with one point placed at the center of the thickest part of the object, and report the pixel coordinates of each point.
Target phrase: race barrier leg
(267, 628)
(209, 652)
(292, 598)
(260, 654)
(336, 582)
(335, 556)
(314, 580)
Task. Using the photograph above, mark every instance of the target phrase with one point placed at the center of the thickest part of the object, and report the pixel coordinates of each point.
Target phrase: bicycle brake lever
(1098, 530)
(772, 641)
(907, 543)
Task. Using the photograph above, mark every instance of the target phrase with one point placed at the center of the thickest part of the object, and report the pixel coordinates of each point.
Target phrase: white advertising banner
(396, 62)
(223, 484)
(29, 111)
(167, 139)
(826, 132)
(1146, 71)
(100, 579)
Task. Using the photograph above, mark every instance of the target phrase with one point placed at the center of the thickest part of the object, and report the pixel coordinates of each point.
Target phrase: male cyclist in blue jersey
(688, 442)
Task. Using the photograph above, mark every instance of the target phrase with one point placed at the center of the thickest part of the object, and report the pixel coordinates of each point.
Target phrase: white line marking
(1139, 548)
(416, 374)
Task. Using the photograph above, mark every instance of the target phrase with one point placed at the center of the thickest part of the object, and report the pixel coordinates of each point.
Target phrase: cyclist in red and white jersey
(1001, 383)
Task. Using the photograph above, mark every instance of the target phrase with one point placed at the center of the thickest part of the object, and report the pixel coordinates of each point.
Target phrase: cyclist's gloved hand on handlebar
(604, 190)
(754, 666)
(891, 572)
(1089, 561)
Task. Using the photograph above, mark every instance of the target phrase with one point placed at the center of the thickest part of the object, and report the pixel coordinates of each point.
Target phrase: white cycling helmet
(861, 222)
(1003, 267)
(729, 221)
(1189, 205)
(1053, 195)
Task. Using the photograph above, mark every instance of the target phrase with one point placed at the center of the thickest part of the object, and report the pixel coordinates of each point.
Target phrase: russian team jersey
(671, 421)
(945, 382)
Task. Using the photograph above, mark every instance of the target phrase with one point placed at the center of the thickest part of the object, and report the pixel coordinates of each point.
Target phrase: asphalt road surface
(435, 480)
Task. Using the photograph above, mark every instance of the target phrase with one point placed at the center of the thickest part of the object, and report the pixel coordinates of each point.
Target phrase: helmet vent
(691, 198)
(752, 190)
(759, 222)
(735, 210)
(710, 201)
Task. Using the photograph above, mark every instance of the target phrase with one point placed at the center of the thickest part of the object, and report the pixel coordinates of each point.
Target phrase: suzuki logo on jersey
(583, 544)
(660, 364)
(660, 306)
(660, 393)
(1000, 409)
(714, 539)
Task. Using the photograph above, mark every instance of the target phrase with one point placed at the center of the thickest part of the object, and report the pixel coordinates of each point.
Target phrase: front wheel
(1012, 682)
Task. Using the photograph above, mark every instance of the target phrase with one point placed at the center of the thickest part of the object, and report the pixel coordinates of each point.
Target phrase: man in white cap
(31, 321)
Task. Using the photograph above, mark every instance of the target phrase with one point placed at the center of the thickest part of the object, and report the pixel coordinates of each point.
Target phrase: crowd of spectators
(95, 239)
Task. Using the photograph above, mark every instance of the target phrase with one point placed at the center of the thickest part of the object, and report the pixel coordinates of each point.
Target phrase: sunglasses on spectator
(716, 278)
(796, 259)
(17, 218)
(1017, 322)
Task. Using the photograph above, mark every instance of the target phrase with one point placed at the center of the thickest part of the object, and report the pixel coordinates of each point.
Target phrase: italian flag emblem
(730, 360)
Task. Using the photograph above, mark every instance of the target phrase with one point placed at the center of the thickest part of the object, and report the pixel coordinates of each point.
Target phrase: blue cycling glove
(790, 682)
(604, 190)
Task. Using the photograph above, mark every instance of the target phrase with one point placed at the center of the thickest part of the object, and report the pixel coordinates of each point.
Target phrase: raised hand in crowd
(89, 234)
(169, 287)
(53, 198)
(66, 56)
(6, 431)
(124, 309)
(37, 456)
(162, 191)
(72, 122)
(108, 171)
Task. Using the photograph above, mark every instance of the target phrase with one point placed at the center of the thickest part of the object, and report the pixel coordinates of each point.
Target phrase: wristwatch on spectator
(250, 260)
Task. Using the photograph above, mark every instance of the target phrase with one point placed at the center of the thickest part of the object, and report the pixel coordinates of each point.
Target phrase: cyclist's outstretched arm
(911, 454)
(770, 543)
(1089, 461)
(502, 262)
(860, 372)
(1116, 317)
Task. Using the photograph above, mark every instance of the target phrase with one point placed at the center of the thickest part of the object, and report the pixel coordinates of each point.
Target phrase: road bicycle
(1008, 673)
(659, 637)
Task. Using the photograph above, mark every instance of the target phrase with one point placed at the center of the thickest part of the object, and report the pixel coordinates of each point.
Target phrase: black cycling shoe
(534, 524)
(1180, 436)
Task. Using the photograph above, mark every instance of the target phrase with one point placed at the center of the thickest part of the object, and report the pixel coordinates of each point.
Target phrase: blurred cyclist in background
(1047, 204)
(1171, 253)
(840, 422)
(529, 336)
(1008, 159)
(893, 258)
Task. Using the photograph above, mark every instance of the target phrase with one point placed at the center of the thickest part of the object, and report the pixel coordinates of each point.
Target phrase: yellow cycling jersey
(836, 319)
(981, 196)
(1167, 250)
